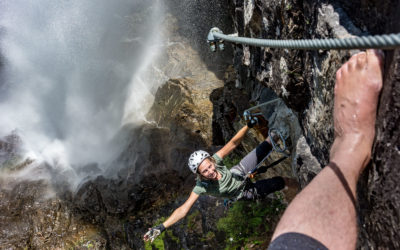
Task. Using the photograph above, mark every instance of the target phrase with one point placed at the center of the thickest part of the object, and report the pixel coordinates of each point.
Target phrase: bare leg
(325, 209)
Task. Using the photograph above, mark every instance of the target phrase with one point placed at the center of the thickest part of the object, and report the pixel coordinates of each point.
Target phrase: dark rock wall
(33, 219)
(379, 189)
(305, 80)
(151, 178)
(195, 19)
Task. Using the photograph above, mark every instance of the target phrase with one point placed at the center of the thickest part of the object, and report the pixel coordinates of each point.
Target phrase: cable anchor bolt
(214, 41)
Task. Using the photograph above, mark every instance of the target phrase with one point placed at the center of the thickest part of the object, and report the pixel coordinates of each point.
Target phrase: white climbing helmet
(196, 158)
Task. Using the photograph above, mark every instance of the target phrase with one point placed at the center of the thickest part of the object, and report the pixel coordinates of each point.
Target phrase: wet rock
(147, 179)
(10, 155)
(305, 164)
(183, 104)
(305, 80)
(379, 189)
(31, 217)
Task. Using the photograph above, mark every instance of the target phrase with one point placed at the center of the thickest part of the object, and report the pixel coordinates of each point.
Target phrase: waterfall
(73, 73)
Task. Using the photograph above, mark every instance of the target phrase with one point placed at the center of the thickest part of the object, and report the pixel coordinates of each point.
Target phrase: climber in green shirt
(217, 180)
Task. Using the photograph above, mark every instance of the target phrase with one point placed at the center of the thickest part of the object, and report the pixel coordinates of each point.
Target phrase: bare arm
(178, 214)
(233, 143)
(181, 211)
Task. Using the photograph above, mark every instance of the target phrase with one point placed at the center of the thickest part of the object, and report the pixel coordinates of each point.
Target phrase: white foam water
(74, 72)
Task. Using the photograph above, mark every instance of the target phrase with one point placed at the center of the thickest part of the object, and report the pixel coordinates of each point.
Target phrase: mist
(74, 73)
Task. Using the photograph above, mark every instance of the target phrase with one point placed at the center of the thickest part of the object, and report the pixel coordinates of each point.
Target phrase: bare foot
(358, 83)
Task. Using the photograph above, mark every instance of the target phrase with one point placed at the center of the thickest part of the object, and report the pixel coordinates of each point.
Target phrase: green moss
(191, 219)
(158, 243)
(257, 242)
(247, 220)
(172, 236)
(231, 161)
(209, 236)
(147, 246)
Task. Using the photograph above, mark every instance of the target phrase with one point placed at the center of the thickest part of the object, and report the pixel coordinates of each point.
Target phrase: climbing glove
(252, 121)
(154, 232)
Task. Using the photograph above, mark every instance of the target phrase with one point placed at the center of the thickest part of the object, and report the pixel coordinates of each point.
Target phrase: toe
(338, 80)
(352, 62)
(361, 60)
(375, 57)
(375, 68)
(339, 74)
(345, 68)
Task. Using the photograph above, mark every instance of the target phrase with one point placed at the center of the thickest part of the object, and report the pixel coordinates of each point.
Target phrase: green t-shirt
(229, 186)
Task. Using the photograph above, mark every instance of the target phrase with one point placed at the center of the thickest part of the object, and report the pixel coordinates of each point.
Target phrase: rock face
(379, 190)
(151, 180)
(231, 101)
(146, 188)
(201, 106)
(146, 181)
(32, 219)
(305, 80)
(184, 104)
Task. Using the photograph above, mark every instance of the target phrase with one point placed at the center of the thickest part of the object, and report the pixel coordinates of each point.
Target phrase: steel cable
(390, 41)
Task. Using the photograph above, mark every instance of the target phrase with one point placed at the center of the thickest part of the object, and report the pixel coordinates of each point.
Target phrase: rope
(390, 41)
(247, 111)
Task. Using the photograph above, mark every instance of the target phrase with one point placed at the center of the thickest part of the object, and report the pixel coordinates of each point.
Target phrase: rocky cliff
(145, 182)
(201, 106)
(305, 80)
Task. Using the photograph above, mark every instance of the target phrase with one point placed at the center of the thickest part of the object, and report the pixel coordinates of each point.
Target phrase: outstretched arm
(233, 143)
(181, 211)
(178, 214)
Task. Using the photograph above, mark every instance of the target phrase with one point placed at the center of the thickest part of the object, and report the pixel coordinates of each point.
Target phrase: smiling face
(207, 169)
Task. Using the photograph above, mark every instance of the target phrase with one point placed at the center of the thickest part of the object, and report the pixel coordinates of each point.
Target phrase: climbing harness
(252, 173)
(391, 41)
(228, 202)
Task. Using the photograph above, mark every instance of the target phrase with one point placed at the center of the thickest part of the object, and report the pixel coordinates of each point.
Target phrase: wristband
(160, 227)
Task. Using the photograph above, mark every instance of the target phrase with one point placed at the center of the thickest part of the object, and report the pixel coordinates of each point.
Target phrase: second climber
(217, 180)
